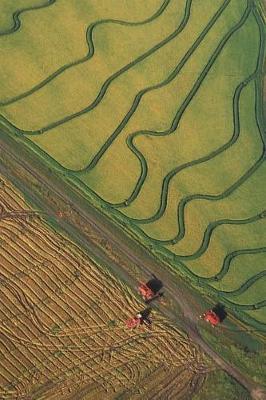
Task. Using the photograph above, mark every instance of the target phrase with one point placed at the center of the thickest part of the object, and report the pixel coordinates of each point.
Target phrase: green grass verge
(247, 354)
(218, 386)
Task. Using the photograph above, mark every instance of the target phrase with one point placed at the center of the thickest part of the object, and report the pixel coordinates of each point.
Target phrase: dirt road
(50, 190)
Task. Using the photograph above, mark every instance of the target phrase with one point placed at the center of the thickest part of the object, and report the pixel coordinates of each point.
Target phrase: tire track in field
(16, 19)
(107, 376)
(66, 322)
(66, 285)
(57, 348)
(173, 385)
(90, 43)
(16, 214)
(167, 340)
(167, 179)
(118, 346)
(69, 283)
(18, 293)
(159, 360)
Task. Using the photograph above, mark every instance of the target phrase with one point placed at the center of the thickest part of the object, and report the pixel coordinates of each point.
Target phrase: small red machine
(151, 289)
(133, 322)
(141, 318)
(211, 317)
(215, 316)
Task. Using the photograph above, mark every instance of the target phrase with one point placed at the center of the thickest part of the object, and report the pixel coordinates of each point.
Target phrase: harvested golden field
(63, 333)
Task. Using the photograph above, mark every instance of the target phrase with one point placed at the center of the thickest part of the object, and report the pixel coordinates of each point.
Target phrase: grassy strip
(220, 385)
(249, 357)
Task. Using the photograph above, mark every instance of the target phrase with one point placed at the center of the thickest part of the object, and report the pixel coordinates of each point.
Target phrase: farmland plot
(154, 109)
(63, 318)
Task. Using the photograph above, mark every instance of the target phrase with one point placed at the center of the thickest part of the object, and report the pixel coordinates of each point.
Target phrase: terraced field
(63, 318)
(153, 110)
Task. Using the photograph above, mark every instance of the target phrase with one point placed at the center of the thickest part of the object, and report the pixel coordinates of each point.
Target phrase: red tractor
(151, 290)
(215, 315)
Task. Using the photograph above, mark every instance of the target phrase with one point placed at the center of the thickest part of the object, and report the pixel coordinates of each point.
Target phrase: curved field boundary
(107, 83)
(245, 285)
(229, 258)
(16, 19)
(210, 229)
(89, 39)
(223, 195)
(248, 307)
(172, 75)
(175, 171)
(259, 121)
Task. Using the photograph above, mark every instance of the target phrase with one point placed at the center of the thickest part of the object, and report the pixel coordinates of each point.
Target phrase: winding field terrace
(154, 110)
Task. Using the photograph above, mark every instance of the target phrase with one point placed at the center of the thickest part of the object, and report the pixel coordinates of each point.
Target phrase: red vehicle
(150, 290)
(215, 316)
(140, 319)
(211, 317)
(133, 322)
